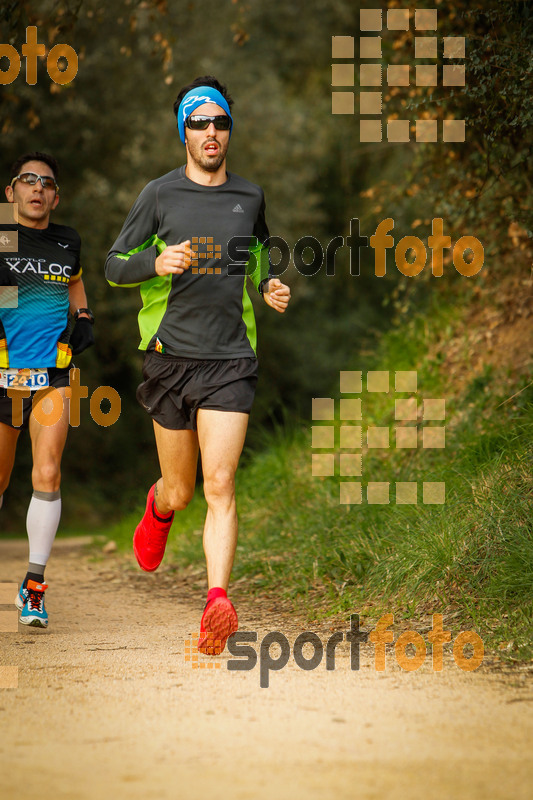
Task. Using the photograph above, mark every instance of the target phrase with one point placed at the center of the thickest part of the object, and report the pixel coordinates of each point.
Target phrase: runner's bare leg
(48, 443)
(221, 436)
(178, 457)
(8, 446)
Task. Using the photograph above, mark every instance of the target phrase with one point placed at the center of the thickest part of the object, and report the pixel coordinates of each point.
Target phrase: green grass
(472, 556)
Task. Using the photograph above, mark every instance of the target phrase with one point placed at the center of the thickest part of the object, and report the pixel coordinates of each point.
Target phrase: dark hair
(36, 156)
(205, 80)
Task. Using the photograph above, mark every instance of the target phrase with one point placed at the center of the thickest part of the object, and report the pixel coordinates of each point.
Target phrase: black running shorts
(175, 388)
(57, 377)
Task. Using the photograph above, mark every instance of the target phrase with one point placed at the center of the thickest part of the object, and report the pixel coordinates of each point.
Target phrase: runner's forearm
(131, 259)
(129, 270)
(77, 295)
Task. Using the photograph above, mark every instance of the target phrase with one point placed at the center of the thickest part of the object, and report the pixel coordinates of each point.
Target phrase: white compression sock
(42, 522)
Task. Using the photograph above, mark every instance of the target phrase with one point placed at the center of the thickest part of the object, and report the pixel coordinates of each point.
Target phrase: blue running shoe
(22, 596)
(34, 612)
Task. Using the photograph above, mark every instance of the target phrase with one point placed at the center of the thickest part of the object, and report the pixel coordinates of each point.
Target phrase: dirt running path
(108, 708)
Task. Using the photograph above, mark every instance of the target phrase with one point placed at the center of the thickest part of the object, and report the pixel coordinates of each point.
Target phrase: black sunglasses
(31, 177)
(202, 123)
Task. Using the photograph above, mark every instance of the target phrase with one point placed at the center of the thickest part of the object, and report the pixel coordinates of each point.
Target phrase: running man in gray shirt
(190, 240)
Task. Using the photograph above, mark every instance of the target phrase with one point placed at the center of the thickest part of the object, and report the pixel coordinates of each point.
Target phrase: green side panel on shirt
(258, 264)
(154, 294)
(249, 318)
(257, 269)
(153, 240)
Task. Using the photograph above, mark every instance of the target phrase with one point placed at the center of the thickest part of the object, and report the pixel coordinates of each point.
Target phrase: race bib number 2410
(24, 379)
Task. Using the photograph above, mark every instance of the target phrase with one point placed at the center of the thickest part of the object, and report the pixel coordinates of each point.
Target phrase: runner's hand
(82, 336)
(278, 295)
(174, 260)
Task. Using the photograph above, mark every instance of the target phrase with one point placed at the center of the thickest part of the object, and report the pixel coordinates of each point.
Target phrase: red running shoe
(219, 621)
(150, 537)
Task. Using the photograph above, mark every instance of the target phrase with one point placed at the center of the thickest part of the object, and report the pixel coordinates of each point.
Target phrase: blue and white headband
(197, 97)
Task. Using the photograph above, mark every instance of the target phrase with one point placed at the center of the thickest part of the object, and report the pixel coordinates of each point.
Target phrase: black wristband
(262, 285)
(84, 311)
